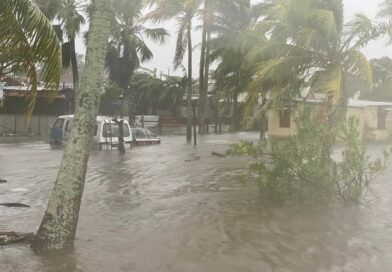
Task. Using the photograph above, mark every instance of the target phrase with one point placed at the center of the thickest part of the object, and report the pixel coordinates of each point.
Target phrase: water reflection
(177, 208)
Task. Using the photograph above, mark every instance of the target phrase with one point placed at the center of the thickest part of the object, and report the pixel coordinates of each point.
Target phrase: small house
(375, 118)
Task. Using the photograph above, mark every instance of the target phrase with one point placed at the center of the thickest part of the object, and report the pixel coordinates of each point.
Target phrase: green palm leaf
(23, 26)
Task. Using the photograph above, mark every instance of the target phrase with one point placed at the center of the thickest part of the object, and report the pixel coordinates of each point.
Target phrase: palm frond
(358, 65)
(157, 34)
(330, 81)
(24, 26)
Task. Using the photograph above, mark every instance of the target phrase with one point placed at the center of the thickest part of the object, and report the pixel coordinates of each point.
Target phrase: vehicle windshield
(142, 133)
(59, 123)
(111, 130)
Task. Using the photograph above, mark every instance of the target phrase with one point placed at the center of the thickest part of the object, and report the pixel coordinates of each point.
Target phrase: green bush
(302, 168)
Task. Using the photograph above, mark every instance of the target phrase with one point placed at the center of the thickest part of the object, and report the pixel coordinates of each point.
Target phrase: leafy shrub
(302, 168)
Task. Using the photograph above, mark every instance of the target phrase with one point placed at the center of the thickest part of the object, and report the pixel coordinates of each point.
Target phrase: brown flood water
(174, 207)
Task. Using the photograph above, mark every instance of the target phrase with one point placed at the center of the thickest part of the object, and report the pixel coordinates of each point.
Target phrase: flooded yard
(173, 207)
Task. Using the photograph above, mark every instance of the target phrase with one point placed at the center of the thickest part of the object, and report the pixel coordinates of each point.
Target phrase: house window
(285, 118)
(381, 118)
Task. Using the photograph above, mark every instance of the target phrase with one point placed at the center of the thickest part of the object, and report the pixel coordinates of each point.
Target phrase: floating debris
(213, 153)
(12, 237)
(14, 205)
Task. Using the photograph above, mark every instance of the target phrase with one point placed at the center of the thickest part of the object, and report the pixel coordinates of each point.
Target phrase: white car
(105, 132)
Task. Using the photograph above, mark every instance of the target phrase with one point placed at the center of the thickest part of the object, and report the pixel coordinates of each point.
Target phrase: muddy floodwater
(173, 207)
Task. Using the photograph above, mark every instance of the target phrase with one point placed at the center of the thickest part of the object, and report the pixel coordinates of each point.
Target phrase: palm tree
(220, 18)
(71, 20)
(310, 44)
(207, 14)
(127, 47)
(234, 38)
(382, 80)
(68, 19)
(58, 227)
(28, 35)
(152, 91)
(184, 11)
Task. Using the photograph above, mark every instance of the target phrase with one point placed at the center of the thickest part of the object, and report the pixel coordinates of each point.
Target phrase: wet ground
(173, 207)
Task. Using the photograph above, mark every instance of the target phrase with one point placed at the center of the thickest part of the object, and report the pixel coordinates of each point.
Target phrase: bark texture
(204, 67)
(189, 92)
(74, 64)
(58, 227)
(202, 94)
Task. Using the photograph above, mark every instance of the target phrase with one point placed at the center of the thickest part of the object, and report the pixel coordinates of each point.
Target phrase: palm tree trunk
(74, 64)
(234, 112)
(202, 93)
(234, 109)
(206, 75)
(189, 93)
(58, 227)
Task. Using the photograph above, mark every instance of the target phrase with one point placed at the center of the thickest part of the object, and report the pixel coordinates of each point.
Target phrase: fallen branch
(213, 153)
(12, 237)
(3, 181)
(15, 205)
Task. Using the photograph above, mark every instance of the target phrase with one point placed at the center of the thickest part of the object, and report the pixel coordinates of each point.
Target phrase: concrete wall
(16, 124)
(274, 129)
(368, 121)
(360, 114)
(371, 130)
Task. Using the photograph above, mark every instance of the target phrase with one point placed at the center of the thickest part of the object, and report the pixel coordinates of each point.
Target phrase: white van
(105, 132)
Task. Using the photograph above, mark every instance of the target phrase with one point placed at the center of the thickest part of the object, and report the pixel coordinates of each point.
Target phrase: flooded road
(173, 207)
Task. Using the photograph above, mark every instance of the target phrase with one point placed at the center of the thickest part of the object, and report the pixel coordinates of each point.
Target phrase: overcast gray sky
(163, 55)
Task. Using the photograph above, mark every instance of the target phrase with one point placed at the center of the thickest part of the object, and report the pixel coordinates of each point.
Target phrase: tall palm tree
(310, 44)
(206, 16)
(28, 35)
(127, 47)
(58, 227)
(234, 38)
(71, 19)
(219, 17)
(183, 11)
(67, 17)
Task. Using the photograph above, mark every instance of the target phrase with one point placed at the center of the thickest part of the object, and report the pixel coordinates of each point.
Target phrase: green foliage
(28, 35)
(356, 170)
(128, 47)
(110, 100)
(147, 91)
(157, 93)
(302, 168)
(310, 44)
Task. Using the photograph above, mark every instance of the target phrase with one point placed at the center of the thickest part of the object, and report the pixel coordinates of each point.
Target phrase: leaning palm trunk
(58, 227)
(189, 93)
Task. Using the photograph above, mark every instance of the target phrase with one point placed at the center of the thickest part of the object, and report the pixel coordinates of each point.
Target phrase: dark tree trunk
(202, 90)
(120, 123)
(194, 125)
(206, 78)
(74, 64)
(263, 119)
(189, 93)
